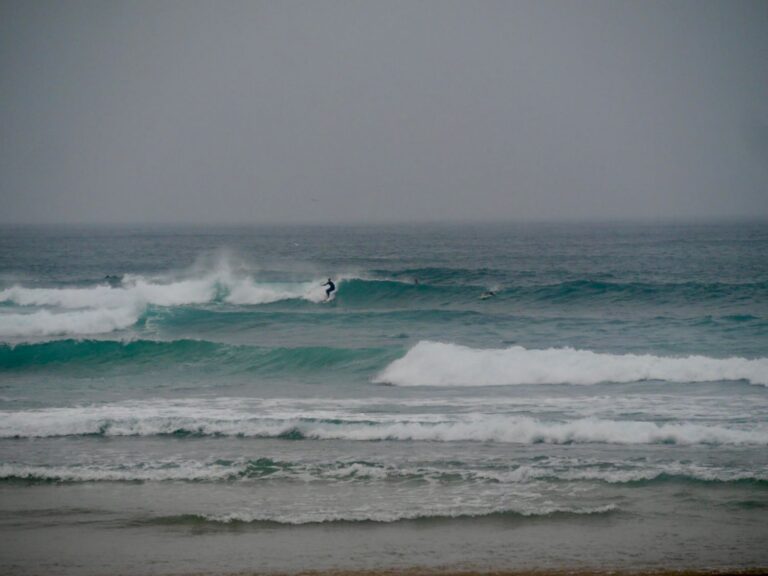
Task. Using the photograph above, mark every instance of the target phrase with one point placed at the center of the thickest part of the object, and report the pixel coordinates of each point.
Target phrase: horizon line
(408, 223)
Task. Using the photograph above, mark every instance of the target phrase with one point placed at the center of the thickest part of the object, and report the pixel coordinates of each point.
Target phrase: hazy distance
(335, 111)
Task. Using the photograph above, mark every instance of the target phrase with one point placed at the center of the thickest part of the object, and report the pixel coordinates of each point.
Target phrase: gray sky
(377, 111)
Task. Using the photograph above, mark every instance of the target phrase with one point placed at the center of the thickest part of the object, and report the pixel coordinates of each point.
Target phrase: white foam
(374, 514)
(441, 364)
(205, 418)
(46, 323)
(103, 308)
(699, 473)
(191, 471)
(246, 291)
(137, 290)
(525, 430)
(240, 471)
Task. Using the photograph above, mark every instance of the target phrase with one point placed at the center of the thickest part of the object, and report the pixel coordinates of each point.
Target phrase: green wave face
(103, 352)
(145, 354)
(454, 287)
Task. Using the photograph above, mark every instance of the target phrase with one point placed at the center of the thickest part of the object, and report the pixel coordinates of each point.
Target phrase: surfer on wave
(330, 288)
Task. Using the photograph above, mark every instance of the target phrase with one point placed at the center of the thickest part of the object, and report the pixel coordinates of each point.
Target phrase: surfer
(330, 288)
(487, 294)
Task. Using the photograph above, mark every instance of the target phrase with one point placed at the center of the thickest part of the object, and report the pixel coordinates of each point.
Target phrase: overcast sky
(186, 111)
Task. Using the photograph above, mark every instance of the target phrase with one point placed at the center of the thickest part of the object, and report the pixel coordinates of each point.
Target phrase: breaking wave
(221, 285)
(201, 419)
(441, 364)
(108, 307)
(388, 516)
(271, 470)
(119, 303)
(47, 323)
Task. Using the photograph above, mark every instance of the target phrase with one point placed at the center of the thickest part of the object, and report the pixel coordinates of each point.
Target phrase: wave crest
(47, 323)
(352, 471)
(441, 364)
(104, 308)
(389, 516)
(201, 419)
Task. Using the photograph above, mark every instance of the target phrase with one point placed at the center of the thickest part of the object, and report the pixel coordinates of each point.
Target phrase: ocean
(179, 400)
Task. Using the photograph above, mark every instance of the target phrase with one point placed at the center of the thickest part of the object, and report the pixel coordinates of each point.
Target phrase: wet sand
(450, 572)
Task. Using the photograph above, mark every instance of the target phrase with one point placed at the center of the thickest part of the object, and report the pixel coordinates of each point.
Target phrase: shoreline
(447, 571)
(512, 572)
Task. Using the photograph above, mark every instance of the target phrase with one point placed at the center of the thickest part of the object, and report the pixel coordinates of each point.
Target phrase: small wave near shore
(201, 419)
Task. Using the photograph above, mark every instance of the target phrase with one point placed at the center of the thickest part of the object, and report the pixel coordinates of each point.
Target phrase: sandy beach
(449, 572)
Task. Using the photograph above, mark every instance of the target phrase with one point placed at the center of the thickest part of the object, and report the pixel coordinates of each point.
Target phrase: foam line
(148, 419)
(389, 516)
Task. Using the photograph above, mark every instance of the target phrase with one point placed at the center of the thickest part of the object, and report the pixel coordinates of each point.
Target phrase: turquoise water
(193, 392)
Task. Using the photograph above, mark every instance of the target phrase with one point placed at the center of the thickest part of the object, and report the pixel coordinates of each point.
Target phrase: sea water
(502, 396)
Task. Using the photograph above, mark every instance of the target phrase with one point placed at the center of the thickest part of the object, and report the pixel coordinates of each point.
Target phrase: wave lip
(442, 364)
(102, 308)
(221, 284)
(138, 290)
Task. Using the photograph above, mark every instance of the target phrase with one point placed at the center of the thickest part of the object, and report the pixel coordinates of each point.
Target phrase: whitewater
(196, 387)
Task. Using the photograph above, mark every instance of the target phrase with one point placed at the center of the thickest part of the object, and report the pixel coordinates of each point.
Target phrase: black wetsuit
(331, 288)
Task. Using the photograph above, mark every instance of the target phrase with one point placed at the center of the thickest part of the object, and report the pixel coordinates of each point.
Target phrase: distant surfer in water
(330, 288)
